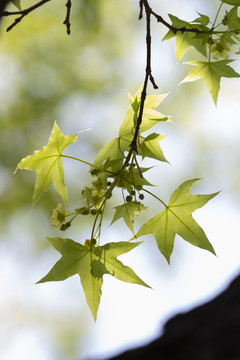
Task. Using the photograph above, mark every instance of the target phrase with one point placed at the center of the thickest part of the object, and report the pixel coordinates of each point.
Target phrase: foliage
(48, 164)
(109, 171)
(117, 166)
(91, 263)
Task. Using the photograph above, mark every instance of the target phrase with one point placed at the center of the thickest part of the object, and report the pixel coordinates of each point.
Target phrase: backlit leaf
(186, 39)
(150, 116)
(128, 212)
(48, 164)
(232, 2)
(177, 219)
(91, 264)
(202, 19)
(150, 147)
(17, 3)
(132, 178)
(233, 20)
(211, 73)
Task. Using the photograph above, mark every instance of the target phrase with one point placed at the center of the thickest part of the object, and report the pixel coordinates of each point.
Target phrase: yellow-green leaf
(48, 164)
(202, 19)
(177, 219)
(211, 73)
(17, 3)
(128, 212)
(150, 147)
(232, 18)
(91, 264)
(150, 116)
(186, 39)
(232, 2)
(132, 177)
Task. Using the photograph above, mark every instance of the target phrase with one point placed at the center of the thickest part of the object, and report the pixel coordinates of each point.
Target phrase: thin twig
(174, 29)
(22, 13)
(148, 75)
(67, 19)
(141, 10)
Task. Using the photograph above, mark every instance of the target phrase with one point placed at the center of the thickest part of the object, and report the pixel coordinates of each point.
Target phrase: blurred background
(81, 81)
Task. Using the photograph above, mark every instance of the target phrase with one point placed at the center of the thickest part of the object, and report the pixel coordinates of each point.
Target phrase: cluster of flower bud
(58, 218)
(220, 49)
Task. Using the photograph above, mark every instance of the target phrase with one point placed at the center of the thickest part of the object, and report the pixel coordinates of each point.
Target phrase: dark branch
(3, 5)
(22, 13)
(174, 29)
(148, 73)
(67, 19)
(141, 10)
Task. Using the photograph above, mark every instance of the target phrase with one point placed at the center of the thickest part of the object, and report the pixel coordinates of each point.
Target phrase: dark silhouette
(3, 4)
(208, 332)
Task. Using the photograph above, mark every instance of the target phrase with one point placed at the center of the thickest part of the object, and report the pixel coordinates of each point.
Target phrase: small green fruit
(129, 198)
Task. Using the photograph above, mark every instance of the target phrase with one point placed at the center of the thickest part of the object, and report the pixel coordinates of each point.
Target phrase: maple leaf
(16, 3)
(186, 39)
(233, 20)
(91, 264)
(132, 177)
(128, 211)
(232, 2)
(202, 19)
(211, 73)
(114, 150)
(150, 116)
(177, 219)
(149, 147)
(48, 164)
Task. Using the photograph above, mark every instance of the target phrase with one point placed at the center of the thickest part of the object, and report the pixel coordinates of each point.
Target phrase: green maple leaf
(132, 178)
(211, 73)
(150, 116)
(113, 153)
(114, 150)
(177, 219)
(48, 164)
(233, 20)
(128, 211)
(186, 39)
(17, 3)
(232, 2)
(149, 147)
(91, 264)
(202, 19)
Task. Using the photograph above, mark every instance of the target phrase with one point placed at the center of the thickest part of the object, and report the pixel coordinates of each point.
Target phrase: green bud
(108, 195)
(82, 210)
(65, 226)
(94, 172)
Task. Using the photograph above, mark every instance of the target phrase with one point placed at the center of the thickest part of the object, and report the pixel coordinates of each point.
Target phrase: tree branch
(174, 29)
(22, 13)
(148, 72)
(3, 5)
(67, 19)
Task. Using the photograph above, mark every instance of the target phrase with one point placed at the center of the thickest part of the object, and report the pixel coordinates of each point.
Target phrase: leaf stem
(83, 161)
(219, 9)
(214, 32)
(156, 197)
